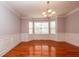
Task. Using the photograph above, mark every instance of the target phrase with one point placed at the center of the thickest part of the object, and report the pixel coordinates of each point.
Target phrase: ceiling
(35, 8)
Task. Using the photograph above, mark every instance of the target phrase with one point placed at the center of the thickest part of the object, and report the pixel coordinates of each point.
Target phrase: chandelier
(49, 12)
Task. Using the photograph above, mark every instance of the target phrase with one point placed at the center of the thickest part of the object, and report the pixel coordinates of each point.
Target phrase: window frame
(49, 26)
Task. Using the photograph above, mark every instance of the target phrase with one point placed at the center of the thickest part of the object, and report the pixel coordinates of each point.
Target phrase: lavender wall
(72, 28)
(25, 29)
(60, 28)
(60, 24)
(9, 24)
(9, 29)
(72, 23)
(67, 28)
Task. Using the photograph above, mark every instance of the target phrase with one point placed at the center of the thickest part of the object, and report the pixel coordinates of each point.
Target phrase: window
(41, 28)
(30, 27)
(52, 27)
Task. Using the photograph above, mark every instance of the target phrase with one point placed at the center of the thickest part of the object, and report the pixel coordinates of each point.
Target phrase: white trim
(72, 38)
(10, 9)
(4, 51)
(8, 42)
(69, 13)
(60, 16)
(73, 11)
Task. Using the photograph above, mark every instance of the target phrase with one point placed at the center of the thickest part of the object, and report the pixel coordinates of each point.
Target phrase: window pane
(30, 24)
(37, 28)
(30, 27)
(41, 27)
(45, 28)
(52, 27)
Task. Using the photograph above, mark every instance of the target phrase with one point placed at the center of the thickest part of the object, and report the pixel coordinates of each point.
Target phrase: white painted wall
(9, 29)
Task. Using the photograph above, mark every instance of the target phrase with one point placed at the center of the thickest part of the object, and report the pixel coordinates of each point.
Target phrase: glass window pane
(30, 24)
(41, 27)
(52, 27)
(30, 27)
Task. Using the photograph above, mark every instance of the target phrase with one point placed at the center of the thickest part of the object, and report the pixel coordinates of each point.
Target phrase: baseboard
(4, 51)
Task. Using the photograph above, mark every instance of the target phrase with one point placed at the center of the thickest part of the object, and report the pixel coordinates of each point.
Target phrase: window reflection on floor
(41, 50)
(35, 48)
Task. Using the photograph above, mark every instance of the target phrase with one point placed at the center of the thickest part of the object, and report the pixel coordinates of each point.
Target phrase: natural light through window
(52, 27)
(42, 27)
(30, 27)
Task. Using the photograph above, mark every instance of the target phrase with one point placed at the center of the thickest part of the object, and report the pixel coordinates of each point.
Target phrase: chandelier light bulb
(53, 12)
(44, 13)
(49, 11)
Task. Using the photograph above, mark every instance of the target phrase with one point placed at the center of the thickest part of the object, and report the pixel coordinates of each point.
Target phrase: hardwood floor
(67, 50)
(47, 48)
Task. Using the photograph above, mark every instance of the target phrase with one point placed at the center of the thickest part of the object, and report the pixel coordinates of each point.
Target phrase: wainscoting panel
(7, 42)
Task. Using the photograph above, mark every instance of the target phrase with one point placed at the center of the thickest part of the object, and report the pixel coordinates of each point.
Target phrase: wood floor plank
(47, 48)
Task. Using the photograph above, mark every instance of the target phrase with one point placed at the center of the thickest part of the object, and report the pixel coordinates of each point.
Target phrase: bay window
(44, 27)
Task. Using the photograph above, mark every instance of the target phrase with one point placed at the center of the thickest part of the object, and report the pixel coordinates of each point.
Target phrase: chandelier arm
(49, 13)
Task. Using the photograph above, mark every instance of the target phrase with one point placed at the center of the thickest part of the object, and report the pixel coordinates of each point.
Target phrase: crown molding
(61, 16)
(73, 11)
(70, 13)
(12, 10)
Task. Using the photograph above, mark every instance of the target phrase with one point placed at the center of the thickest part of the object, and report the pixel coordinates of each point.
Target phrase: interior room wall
(13, 30)
(67, 27)
(59, 36)
(60, 28)
(25, 36)
(9, 29)
(72, 28)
